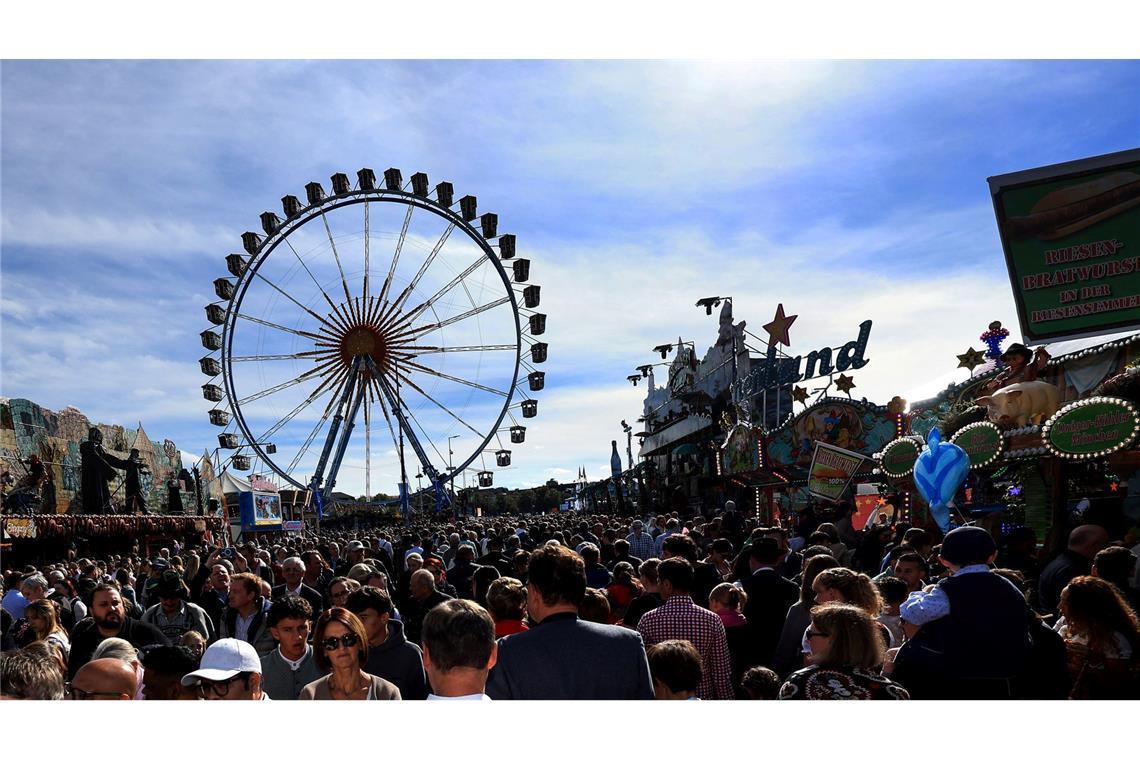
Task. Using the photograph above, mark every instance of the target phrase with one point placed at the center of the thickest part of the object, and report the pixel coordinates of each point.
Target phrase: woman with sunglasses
(846, 655)
(340, 644)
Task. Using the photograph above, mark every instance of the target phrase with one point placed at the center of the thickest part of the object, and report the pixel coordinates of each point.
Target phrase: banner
(1071, 235)
(832, 469)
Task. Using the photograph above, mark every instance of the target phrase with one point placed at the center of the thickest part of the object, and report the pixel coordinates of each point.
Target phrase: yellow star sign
(972, 358)
(800, 394)
(845, 384)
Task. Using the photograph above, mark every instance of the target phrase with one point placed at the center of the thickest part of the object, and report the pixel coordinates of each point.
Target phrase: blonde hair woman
(44, 621)
(846, 650)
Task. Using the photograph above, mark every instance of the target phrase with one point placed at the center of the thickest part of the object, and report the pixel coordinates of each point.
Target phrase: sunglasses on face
(332, 643)
(220, 688)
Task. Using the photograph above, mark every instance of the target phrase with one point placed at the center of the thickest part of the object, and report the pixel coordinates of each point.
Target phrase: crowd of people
(572, 606)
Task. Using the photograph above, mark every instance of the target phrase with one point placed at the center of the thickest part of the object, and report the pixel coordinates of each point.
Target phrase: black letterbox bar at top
(420, 185)
(445, 194)
(235, 262)
(270, 222)
(467, 208)
(367, 179)
(393, 179)
(340, 184)
(291, 205)
(490, 225)
(251, 241)
(315, 193)
(506, 246)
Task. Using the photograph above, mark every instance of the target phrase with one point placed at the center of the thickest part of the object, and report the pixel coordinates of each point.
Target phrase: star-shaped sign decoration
(800, 394)
(845, 384)
(1113, 487)
(779, 326)
(972, 358)
(882, 502)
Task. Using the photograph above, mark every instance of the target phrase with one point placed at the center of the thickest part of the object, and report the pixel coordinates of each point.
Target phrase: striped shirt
(680, 618)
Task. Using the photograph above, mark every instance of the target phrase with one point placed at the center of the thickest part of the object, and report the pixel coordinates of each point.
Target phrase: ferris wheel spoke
(275, 326)
(421, 350)
(318, 371)
(445, 376)
(309, 272)
(308, 442)
(452, 320)
(332, 244)
(411, 286)
(300, 305)
(368, 441)
(408, 381)
(366, 240)
(396, 320)
(396, 255)
(410, 415)
(374, 388)
(329, 381)
(279, 357)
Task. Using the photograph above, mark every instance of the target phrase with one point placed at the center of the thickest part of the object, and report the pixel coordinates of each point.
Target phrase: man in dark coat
(97, 470)
(390, 655)
(769, 597)
(293, 568)
(108, 618)
(563, 657)
(423, 595)
(1084, 542)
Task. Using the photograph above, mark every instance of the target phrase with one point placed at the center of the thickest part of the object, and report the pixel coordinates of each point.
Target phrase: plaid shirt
(680, 618)
(641, 546)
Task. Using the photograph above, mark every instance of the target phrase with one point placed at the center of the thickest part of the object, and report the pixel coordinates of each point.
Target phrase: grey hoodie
(399, 661)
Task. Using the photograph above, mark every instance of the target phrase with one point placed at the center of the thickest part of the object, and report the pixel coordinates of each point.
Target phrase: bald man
(1084, 542)
(293, 568)
(105, 679)
(425, 596)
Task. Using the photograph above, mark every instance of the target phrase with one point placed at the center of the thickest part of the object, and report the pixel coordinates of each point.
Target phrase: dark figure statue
(97, 470)
(174, 493)
(136, 502)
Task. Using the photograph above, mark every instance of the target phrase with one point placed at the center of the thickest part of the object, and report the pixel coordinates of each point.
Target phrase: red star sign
(778, 327)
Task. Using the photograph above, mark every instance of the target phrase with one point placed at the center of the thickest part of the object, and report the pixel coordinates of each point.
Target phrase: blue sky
(845, 190)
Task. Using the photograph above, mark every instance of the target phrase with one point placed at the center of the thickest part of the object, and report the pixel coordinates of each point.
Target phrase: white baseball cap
(224, 659)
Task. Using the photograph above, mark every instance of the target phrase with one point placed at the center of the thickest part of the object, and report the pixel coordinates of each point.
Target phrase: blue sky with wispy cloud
(845, 190)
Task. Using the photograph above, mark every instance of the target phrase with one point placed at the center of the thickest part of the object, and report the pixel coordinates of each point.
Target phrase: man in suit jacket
(294, 571)
(563, 657)
(769, 597)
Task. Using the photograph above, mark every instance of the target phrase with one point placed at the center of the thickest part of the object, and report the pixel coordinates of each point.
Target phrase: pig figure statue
(1018, 404)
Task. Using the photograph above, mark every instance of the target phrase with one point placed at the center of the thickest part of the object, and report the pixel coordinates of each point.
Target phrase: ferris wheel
(369, 319)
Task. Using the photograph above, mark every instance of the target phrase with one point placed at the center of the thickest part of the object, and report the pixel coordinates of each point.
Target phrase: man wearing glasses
(103, 679)
(230, 670)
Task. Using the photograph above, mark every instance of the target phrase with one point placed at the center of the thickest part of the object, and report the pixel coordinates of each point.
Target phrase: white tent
(233, 484)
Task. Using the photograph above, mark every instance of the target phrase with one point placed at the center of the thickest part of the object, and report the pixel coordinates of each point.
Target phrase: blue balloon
(938, 474)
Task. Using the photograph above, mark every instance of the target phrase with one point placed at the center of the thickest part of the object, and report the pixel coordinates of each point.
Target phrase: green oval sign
(1092, 427)
(899, 457)
(982, 442)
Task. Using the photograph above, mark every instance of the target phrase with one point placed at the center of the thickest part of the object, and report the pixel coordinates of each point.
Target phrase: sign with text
(831, 471)
(898, 457)
(1071, 235)
(982, 442)
(1091, 427)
